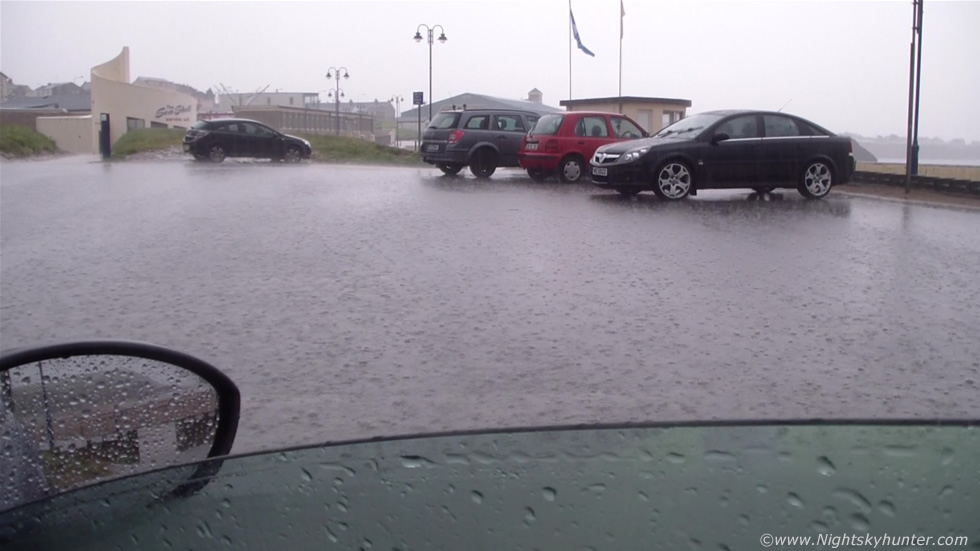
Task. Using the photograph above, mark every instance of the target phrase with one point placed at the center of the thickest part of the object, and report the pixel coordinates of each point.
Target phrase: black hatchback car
(761, 150)
(482, 139)
(220, 138)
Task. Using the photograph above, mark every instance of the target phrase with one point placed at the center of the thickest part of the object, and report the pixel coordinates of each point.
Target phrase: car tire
(627, 192)
(537, 175)
(763, 190)
(484, 163)
(293, 155)
(817, 179)
(673, 181)
(571, 169)
(216, 153)
(450, 169)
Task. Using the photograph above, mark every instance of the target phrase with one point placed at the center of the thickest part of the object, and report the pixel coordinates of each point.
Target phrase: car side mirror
(720, 137)
(78, 414)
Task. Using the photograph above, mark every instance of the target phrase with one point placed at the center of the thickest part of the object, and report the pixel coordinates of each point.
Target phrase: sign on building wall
(172, 114)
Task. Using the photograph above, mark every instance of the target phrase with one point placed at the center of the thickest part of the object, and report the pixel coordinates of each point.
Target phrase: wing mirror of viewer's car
(78, 414)
(720, 137)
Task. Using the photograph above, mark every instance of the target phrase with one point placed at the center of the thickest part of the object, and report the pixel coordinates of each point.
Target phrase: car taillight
(551, 146)
(455, 136)
(850, 146)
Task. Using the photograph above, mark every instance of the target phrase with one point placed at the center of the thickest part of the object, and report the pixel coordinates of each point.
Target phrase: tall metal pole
(908, 141)
(918, 81)
(430, 75)
(620, 57)
(337, 104)
(569, 49)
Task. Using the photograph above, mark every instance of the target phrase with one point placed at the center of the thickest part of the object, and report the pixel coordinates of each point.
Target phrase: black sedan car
(760, 150)
(220, 138)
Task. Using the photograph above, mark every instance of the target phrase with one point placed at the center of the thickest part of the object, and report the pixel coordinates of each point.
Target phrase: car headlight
(631, 156)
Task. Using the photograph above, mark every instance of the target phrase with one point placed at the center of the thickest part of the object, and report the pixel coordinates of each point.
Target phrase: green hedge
(21, 141)
(147, 139)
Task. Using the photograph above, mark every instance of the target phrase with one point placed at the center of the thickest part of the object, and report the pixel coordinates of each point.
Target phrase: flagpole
(569, 49)
(621, 13)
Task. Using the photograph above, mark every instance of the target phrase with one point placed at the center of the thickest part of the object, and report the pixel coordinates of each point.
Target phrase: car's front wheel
(818, 177)
(571, 169)
(450, 169)
(484, 163)
(293, 155)
(673, 181)
(216, 154)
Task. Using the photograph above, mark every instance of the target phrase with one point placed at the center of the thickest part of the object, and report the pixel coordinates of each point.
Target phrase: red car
(563, 143)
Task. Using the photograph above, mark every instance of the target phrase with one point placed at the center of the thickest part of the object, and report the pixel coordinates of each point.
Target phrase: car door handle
(501, 137)
(581, 143)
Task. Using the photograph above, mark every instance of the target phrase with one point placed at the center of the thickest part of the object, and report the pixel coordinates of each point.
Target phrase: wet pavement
(354, 301)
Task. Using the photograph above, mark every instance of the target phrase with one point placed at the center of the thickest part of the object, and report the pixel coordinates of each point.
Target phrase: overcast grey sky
(842, 64)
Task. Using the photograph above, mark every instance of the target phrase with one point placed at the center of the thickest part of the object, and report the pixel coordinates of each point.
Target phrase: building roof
(626, 99)
(68, 102)
(478, 101)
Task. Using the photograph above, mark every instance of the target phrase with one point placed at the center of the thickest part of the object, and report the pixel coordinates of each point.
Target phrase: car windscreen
(558, 489)
(547, 125)
(689, 127)
(444, 121)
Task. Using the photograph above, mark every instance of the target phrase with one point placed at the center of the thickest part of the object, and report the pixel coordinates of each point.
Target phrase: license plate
(531, 147)
(596, 171)
(432, 147)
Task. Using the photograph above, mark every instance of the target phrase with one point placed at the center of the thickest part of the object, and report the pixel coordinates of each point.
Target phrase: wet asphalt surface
(353, 301)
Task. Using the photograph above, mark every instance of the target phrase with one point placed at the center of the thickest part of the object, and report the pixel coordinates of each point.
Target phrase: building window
(154, 124)
(268, 101)
(134, 124)
(645, 118)
(290, 101)
(670, 117)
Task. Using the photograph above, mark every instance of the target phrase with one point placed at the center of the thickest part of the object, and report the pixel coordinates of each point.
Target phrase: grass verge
(146, 140)
(340, 149)
(21, 141)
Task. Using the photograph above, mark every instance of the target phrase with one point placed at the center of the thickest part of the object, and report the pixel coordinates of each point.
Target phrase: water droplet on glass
(945, 492)
(415, 461)
(226, 503)
(597, 488)
(203, 529)
(307, 477)
(549, 493)
(675, 458)
(860, 522)
(947, 456)
(794, 500)
(477, 497)
(529, 515)
(715, 455)
(825, 467)
(366, 543)
(887, 508)
(642, 496)
(226, 540)
(762, 489)
(858, 500)
(819, 526)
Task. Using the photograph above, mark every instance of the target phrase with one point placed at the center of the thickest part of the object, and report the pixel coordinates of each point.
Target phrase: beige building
(128, 105)
(651, 113)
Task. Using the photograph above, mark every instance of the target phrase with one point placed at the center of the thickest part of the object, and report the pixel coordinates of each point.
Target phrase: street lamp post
(442, 39)
(334, 73)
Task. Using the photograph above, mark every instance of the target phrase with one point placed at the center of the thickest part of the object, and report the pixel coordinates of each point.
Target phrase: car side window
(531, 121)
(509, 123)
(745, 126)
(478, 122)
(233, 127)
(623, 128)
(256, 130)
(592, 127)
(777, 127)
